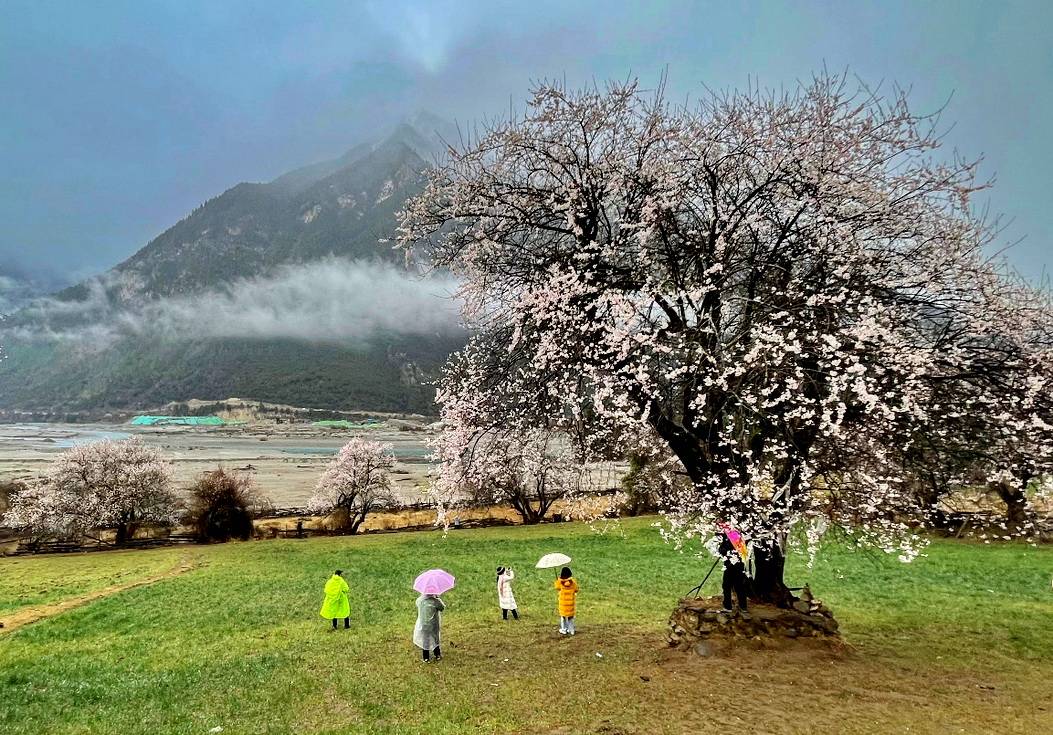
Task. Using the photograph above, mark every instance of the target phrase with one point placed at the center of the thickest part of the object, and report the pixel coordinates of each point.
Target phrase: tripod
(696, 591)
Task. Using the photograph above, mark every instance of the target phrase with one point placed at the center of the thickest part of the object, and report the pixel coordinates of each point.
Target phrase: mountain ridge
(340, 208)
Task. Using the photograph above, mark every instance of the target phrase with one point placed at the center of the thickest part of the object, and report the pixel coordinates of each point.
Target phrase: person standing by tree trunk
(735, 576)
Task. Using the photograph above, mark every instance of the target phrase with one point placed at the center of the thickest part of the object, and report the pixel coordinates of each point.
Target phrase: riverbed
(285, 460)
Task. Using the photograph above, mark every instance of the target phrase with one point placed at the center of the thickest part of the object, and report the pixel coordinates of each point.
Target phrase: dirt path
(29, 615)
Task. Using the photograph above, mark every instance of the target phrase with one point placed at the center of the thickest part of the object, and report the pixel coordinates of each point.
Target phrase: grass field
(959, 641)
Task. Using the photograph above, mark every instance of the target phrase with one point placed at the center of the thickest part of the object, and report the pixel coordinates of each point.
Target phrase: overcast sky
(117, 118)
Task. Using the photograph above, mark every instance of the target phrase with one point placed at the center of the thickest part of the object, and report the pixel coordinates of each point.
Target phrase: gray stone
(703, 623)
(702, 648)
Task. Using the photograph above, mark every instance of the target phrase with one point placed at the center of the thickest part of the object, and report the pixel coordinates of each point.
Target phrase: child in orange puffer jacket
(567, 592)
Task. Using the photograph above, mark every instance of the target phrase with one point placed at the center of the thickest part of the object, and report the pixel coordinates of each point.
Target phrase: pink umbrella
(433, 582)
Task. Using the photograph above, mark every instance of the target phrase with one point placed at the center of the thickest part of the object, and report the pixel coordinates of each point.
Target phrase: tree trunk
(1016, 509)
(769, 563)
(769, 586)
(522, 505)
(529, 515)
(122, 534)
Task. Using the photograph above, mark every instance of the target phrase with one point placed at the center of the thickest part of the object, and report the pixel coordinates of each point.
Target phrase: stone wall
(702, 625)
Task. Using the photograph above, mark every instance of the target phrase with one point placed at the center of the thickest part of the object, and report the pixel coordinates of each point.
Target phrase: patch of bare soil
(29, 615)
(815, 687)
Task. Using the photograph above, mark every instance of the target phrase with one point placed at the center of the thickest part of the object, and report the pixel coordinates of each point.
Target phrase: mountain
(338, 209)
(341, 207)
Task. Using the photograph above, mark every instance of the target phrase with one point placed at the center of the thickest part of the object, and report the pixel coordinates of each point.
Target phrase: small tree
(355, 483)
(32, 511)
(117, 485)
(529, 470)
(223, 505)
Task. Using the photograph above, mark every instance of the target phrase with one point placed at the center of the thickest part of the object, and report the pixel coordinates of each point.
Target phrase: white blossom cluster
(356, 481)
(527, 468)
(105, 485)
(787, 293)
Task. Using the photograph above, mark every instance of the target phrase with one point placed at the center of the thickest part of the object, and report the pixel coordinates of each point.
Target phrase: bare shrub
(223, 505)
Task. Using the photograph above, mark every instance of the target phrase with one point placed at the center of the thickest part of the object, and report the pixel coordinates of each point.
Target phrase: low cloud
(330, 301)
(16, 292)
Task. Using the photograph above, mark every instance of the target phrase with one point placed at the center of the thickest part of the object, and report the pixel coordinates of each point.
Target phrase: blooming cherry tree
(529, 470)
(779, 290)
(356, 482)
(117, 485)
(994, 430)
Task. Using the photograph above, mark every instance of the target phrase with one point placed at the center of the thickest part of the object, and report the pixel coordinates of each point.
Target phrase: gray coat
(429, 620)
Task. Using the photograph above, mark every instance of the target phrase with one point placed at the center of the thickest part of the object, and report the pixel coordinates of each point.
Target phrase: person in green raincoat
(336, 605)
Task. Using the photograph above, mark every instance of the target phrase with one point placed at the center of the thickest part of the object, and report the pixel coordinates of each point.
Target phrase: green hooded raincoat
(336, 605)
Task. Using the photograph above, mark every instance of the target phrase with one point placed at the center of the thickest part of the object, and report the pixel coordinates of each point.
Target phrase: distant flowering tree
(994, 430)
(529, 470)
(118, 485)
(356, 482)
(782, 291)
(31, 510)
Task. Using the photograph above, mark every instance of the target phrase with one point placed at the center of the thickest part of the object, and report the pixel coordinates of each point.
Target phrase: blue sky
(117, 118)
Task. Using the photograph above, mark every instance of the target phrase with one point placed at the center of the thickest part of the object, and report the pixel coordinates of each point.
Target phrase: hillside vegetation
(392, 374)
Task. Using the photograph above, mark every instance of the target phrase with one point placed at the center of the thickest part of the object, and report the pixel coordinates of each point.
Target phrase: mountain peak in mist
(314, 234)
(432, 134)
(423, 132)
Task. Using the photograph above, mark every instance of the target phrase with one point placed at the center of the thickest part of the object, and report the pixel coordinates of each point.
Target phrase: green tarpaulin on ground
(345, 424)
(178, 421)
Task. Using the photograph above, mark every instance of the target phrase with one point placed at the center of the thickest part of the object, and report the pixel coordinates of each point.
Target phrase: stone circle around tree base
(701, 625)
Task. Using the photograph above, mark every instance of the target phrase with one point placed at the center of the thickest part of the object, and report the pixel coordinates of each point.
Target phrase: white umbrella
(552, 560)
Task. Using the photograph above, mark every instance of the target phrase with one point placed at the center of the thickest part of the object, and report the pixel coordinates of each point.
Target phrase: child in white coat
(505, 598)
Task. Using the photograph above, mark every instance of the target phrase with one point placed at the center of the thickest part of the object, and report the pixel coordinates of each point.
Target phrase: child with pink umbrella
(427, 631)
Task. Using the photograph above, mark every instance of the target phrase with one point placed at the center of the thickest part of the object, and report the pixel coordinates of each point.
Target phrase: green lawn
(32, 581)
(959, 641)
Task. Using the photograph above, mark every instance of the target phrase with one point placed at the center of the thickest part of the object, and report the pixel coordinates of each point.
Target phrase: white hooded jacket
(505, 598)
